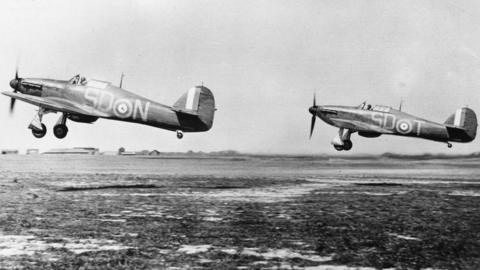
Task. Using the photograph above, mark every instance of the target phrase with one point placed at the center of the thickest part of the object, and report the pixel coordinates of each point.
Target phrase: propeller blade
(312, 125)
(314, 100)
(14, 85)
(12, 105)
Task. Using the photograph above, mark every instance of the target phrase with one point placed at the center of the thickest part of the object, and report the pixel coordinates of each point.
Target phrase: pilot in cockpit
(365, 106)
(75, 79)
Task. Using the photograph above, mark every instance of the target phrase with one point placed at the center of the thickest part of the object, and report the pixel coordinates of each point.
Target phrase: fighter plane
(85, 100)
(373, 121)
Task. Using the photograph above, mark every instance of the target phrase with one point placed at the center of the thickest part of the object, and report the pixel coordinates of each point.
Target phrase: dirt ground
(238, 213)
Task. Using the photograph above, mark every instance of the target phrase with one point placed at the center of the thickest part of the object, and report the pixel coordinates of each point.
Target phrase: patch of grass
(419, 227)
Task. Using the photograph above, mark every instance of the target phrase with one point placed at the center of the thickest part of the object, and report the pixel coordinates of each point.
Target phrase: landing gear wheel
(338, 147)
(449, 145)
(347, 145)
(179, 134)
(40, 133)
(60, 131)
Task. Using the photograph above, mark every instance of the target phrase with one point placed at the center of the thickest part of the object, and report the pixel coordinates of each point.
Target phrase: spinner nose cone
(14, 84)
(313, 110)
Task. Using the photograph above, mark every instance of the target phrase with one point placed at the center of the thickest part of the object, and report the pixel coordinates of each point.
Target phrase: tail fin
(196, 108)
(462, 125)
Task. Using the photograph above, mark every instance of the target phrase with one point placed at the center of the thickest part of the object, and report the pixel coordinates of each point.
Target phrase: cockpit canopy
(81, 80)
(380, 108)
(78, 80)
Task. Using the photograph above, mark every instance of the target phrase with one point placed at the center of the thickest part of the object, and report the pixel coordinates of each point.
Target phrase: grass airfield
(242, 212)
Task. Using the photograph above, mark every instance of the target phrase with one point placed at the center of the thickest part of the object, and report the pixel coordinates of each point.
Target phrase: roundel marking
(404, 126)
(123, 108)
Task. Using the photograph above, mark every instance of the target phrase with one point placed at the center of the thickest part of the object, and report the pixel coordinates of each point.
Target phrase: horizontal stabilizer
(194, 113)
(458, 134)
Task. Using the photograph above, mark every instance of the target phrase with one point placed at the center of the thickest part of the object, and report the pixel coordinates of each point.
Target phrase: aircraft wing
(55, 104)
(361, 126)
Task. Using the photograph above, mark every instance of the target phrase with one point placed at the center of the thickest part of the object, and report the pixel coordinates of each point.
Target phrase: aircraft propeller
(313, 111)
(14, 84)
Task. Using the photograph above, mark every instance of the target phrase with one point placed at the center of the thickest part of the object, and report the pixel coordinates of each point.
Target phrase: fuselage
(382, 120)
(111, 102)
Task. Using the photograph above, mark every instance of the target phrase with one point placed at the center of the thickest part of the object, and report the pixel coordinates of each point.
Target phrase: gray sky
(262, 60)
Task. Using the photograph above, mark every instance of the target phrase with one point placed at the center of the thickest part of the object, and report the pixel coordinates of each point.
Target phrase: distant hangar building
(73, 151)
(32, 151)
(9, 152)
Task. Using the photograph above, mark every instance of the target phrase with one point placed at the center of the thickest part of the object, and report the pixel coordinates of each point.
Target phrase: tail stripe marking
(190, 98)
(458, 118)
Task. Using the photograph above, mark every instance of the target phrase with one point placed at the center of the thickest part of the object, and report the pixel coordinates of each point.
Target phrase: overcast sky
(261, 59)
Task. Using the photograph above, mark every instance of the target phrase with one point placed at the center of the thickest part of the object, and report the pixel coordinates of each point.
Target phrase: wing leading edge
(55, 104)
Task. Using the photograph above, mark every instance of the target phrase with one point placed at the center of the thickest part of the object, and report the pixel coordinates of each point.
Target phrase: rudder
(463, 119)
(197, 103)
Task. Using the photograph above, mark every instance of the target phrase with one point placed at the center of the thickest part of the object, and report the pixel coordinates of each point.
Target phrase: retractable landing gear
(338, 147)
(179, 134)
(449, 145)
(39, 133)
(38, 128)
(342, 140)
(347, 145)
(60, 130)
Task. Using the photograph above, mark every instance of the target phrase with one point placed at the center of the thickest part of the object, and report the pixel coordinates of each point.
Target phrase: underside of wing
(55, 104)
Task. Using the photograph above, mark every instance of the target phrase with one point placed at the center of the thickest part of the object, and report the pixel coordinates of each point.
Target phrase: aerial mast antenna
(121, 80)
